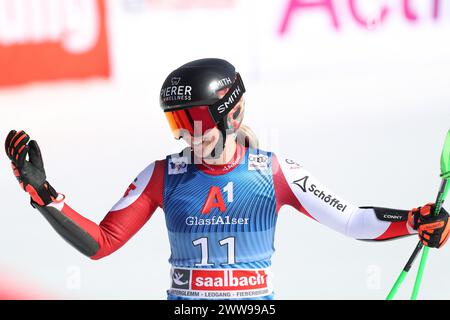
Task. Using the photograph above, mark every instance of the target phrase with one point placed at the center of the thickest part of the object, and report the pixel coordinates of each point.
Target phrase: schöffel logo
(178, 165)
(258, 162)
(329, 199)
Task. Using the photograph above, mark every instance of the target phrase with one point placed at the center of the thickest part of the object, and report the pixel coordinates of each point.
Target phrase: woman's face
(204, 144)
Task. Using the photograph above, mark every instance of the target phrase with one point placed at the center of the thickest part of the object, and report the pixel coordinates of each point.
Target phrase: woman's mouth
(197, 142)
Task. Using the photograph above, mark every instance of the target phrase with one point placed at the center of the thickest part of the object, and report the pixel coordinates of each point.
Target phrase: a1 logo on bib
(178, 165)
(258, 162)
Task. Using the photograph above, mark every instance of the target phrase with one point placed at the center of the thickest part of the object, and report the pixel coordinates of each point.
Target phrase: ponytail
(246, 137)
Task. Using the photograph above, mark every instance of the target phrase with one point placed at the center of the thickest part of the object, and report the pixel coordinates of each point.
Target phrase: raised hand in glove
(29, 172)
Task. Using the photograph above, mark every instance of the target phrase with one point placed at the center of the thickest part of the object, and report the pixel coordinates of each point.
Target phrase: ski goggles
(195, 121)
(199, 119)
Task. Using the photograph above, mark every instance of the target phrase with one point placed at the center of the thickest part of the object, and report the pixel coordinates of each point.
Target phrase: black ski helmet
(201, 83)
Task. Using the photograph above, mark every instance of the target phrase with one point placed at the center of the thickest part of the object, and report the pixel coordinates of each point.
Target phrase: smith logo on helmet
(222, 83)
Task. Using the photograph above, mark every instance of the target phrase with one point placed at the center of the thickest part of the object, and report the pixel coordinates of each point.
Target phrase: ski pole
(445, 174)
(404, 272)
(410, 262)
(442, 194)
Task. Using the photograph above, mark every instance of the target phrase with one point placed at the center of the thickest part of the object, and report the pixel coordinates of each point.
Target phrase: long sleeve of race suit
(296, 187)
(127, 216)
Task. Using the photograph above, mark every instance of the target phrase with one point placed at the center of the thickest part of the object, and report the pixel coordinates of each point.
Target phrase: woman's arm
(131, 212)
(295, 186)
(137, 205)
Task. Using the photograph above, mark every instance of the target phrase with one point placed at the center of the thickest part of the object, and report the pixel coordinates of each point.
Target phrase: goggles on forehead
(198, 119)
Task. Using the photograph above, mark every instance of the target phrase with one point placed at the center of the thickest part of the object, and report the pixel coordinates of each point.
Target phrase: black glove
(30, 173)
(433, 229)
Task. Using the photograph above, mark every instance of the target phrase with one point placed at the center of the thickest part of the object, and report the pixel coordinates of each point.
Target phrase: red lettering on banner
(52, 39)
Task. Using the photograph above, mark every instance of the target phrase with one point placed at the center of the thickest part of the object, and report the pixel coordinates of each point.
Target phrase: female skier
(221, 195)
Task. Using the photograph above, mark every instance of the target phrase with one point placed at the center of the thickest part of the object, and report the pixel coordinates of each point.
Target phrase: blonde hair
(246, 137)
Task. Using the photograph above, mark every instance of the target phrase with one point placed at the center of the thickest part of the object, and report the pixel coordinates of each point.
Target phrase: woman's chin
(206, 152)
(202, 150)
(208, 147)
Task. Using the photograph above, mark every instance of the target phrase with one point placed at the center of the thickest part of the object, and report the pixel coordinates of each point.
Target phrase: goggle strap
(223, 106)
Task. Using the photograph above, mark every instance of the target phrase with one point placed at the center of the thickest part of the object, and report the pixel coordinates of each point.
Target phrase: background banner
(51, 40)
